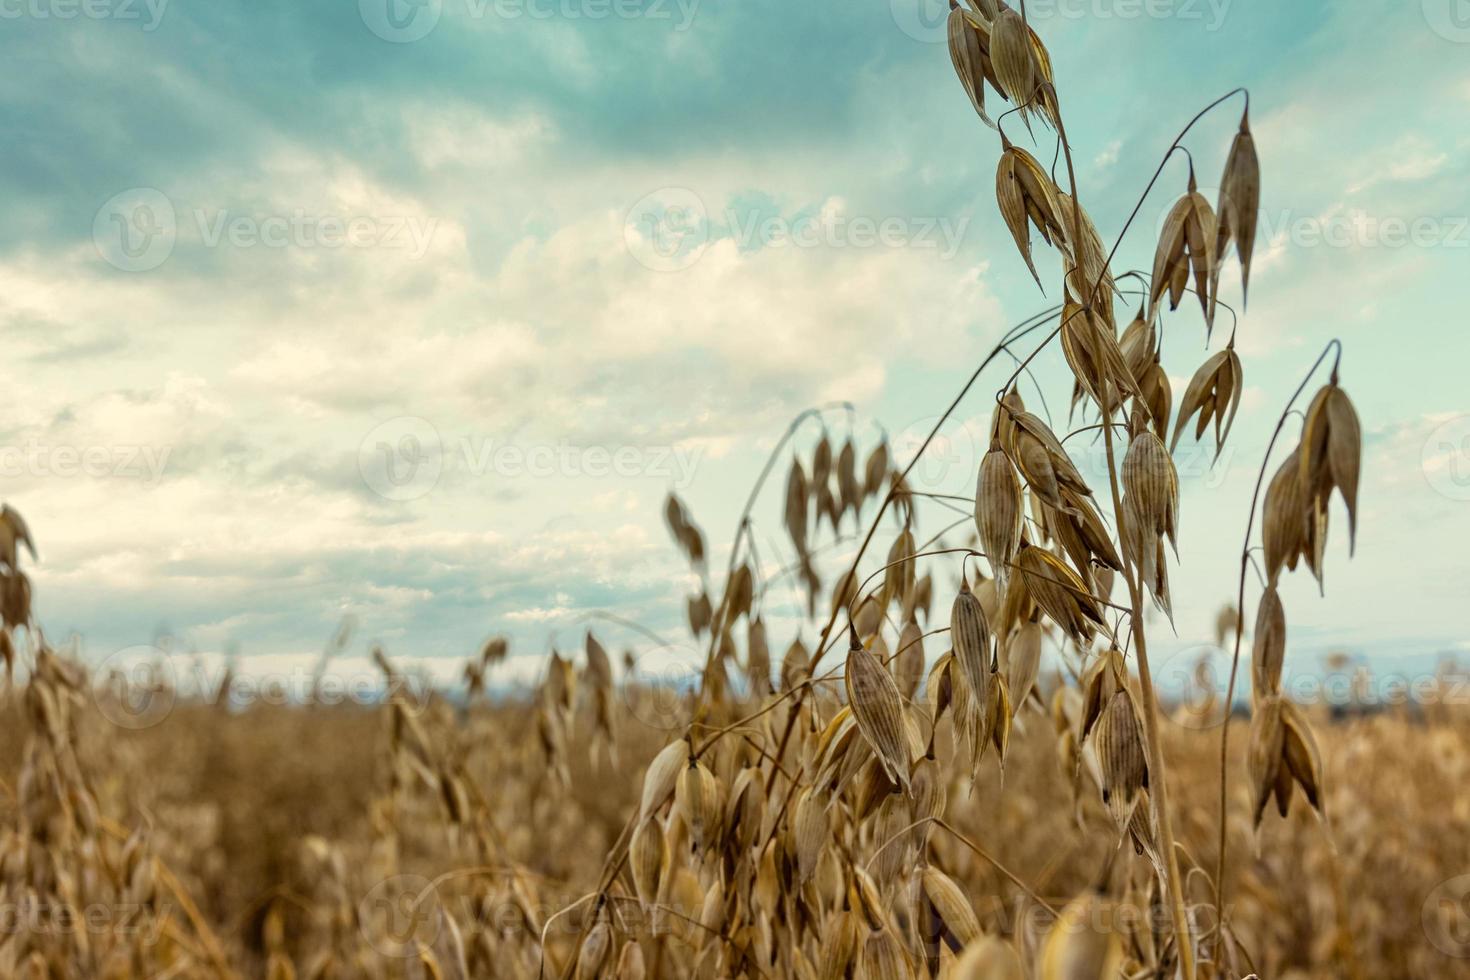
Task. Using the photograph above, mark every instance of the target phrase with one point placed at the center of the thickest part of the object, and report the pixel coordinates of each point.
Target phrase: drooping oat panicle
(1027, 198)
(1269, 650)
(1240, 201)
(1186, 243)
(1059, 593)
(878, 710)
(1096, 360)
(1083, 536)
(1331, 452)
(1214, 392)
(998, 513)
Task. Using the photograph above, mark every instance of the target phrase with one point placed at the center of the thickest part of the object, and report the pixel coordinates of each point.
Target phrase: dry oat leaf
(1240, 201)
(1026, 197)
(1187, 243)
(878, 710)
(1268, 652)
(998, 515)
(1214, 392)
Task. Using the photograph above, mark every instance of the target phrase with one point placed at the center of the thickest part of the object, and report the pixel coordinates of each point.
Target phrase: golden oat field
(960, 763)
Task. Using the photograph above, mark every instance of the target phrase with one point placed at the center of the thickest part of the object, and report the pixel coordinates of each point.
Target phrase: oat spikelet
(998, 511)
(1186, 243)
(1268, 653)
(988, 958)
(1240, 201)
(1214, 392)
(1079, 946)
(878, 710)
(1118, 740)
(1026, 197)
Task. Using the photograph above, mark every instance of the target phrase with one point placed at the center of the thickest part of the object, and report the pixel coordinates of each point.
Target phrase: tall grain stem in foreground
(1159, 780)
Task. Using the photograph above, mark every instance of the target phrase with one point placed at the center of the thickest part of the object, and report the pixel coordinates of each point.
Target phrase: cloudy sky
(415, 312)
